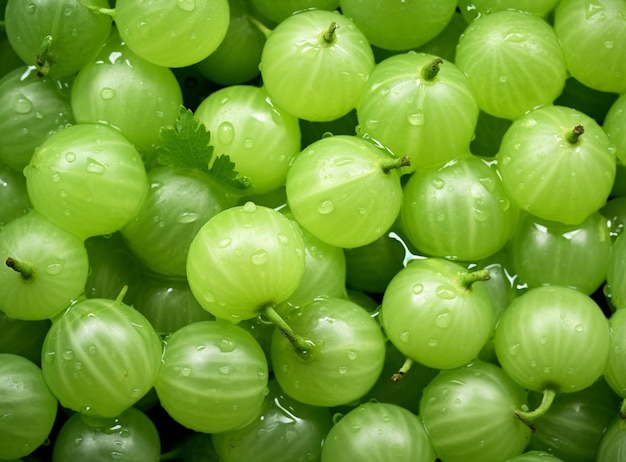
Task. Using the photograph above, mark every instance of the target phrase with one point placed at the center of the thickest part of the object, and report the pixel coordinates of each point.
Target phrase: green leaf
(188, 145)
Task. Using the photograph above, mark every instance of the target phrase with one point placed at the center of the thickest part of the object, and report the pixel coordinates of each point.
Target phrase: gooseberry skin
(553, 337)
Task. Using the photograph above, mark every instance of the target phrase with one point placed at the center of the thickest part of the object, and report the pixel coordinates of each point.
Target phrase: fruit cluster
(309, 230)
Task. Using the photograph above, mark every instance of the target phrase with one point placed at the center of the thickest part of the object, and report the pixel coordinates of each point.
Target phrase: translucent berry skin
(28, 407)
(551, 177)
(86, 360)
(59, 264)
(249, 246)
(514, 62)
(311, 77)
(88, 179)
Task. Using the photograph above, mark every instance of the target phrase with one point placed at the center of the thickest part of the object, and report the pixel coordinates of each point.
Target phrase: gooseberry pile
(312, 230)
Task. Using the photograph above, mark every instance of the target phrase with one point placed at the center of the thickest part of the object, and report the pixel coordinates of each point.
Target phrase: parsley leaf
(187, 145)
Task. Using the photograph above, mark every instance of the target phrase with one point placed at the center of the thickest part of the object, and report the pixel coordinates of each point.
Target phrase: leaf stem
(430, 71)
(622, 410)
(573, 135)
(42, 58)
(528, 417)
(392, 164)
(406, 366)
(330, 35)
(467, 279)
(26, 270)
(259, 25)
(301, 345)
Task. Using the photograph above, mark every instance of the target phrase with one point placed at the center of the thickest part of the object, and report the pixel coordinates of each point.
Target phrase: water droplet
(92, 349)
(417, 288)
(224, 370)
(283, 238)
(107, 93)
(608, 44)
(352, 355)
(343, 370)
(226, 132)
(55, 268)
(579, 328)
(144, 29)
(547, 369)
(443, 319)
(249, 207)
(208, 296)
(514, 349)
(78, 440)
(70, 157)
(187, 217)
(226, 344)
(438, 183)
(416, 119)
(405, 336)
(68, 355)
(503, 79)
(446, 292)
(433, 342)
(22, 105)
(248, 143)
(325, 207)
(185, 371)
(50, 356)
(56, 177)
(31, 8)
(93, 166)
(223, 243)
(259, 258)
(187, 5)
(515, 37)
(68, 10)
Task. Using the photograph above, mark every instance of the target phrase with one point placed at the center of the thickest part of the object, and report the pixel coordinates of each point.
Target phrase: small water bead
(68, 355)
(514, 349)
(259, 258)
(187, 217)
(22, 105)
(343, 370)
(107, 93)
(283, 239)
(208, 296)
(248, 143)
(444, 319)
(78, 440)
(56, 177)
(446, 292)
(92, 349)
(224, 370)
(31, 8)
(55, 268)
(93, 166)
(144, 29)
(226, 344)
(417, 288)
(515, 37)
(249, 207)
(405, 336)
(50, 356)
(416, 119)
(185, 371)
(438, 183)
(68, 10)
(70, 157)
(579, 328)
(225, 242)
(352, 355)
(433, 342)
(503, 79)
(325, 207)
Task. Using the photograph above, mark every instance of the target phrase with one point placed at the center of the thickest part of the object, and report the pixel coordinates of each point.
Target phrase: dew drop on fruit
(443, 319)
(208, 296)
(248, 143)
(68, 10)
(50, 356)
(514, 349)
(185, 371)
(70, 157)
(78, 440)
(107, 93)
(144, 29)
(343, 370)
(249, 207)
(92, 349)
(445, 292)
(417, 288)
(31, 8)
(283, 239)
(259, 258)
(22, 105)
(226, 132)
(93, 166)
(187, 217)
(223, 243)
(56, 177)
(608, 44)
(416, 119)
(224, 370)
(226, 344)
(433, 342)
(503, 79)
(68, 355)
(515, 37)
(405, 336)
(325, 207)
(355, 428)
(438, 183)
(352, 355)
(579, 328)
(55, 268)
